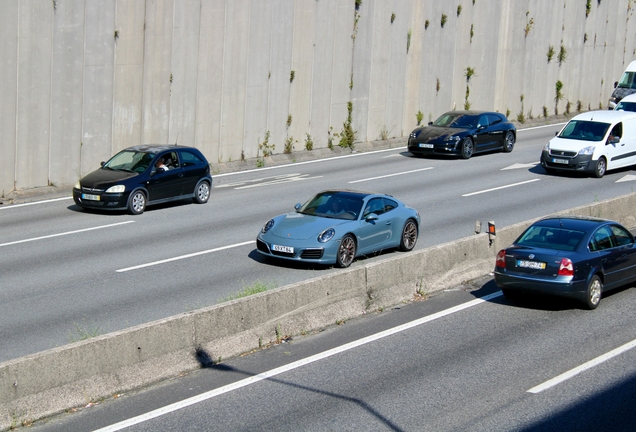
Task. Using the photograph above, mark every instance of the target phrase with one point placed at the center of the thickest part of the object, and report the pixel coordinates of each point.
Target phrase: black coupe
(464, 133)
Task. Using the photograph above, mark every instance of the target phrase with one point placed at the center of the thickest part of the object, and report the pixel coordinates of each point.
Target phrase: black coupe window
(452, 120)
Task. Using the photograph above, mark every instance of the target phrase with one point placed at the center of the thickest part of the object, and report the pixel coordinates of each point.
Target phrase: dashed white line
(177, 258)
(391, 175)
(585, 366)
(500, 187)
(34, 203)
(64, 233)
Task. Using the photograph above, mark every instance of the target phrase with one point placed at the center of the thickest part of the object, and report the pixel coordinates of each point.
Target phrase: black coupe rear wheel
(509, 142)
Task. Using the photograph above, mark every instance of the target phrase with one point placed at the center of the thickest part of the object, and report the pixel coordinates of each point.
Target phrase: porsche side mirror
(297, 206)
(371, 217)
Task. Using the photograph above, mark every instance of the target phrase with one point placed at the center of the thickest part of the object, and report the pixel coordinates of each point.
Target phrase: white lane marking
(177, 258)
(64, 233)
(520, 165)
(391, 175)
(628, 177)
(33, 203)
(294, 365)
(265, 181)
(298, 177)
(500, 187)
(585, 366)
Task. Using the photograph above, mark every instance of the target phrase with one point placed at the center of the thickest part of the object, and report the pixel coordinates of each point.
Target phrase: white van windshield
(584, 130)
(628, 80)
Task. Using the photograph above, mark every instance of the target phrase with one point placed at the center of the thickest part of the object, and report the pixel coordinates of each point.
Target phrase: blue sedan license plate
(426, 145)
(90, 197)
(285, 249)
(531, 264)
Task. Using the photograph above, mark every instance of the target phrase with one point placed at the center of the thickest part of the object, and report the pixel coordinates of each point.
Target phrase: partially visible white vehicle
(593, 142)
(625, 86)
(628, 103)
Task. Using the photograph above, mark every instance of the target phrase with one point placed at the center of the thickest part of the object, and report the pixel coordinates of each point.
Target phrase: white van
(628, 103)
(624, 87)
(593, 142)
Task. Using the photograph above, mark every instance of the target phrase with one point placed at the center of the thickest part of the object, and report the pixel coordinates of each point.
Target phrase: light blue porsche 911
(336, 226)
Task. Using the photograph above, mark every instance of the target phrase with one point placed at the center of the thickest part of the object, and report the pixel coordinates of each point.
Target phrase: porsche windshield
(128, 160)
(336, 205)
(584, 130)
(455, 121)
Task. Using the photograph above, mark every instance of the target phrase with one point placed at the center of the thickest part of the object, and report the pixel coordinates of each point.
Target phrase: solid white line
(185, 256)
(65, 233)
(294, 365)
(391, 175)
(33, 203)
(585, 366)
(500, 187)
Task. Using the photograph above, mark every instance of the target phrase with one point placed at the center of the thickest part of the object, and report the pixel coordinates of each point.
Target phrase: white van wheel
(601, 167)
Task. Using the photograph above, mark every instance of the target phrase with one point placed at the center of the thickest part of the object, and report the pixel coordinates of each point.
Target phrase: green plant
(579, 105)
(392, 18)
(330, 135)
(558, 96)
(507, 112)
(408, 40)
(426, 24)
(529, 24)
(266, 147)
(358, 4)
(472, 33)
(260, 162)
(351, 81)
(588, 7)
(384, 133)
(340, 321)
(255, 288)
(521, 118)
(466, 102)
(309, 142)
(568, 105)
(242, 155)
(292, 74)
(289, 145)
(348, 135)
(419, 116)
(289, 120)
(550, 53)
(459, 10)
(469, 73)
(444, 19)
(80, 334)
(585, 38)
(563, 54)
(545, 111)
(116, 35)
(437, 85)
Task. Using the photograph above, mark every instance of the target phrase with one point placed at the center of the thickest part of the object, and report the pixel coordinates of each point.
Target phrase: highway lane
(62, 277)
(466, 359)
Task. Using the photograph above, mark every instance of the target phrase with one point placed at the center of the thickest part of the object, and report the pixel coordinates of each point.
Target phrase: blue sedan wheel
(468, 148)
(594, 293)
(346, 251)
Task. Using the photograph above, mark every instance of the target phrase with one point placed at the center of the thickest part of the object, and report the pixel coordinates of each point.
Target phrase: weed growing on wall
(443, 20)
(419, 116)
(408, 40)
(579, 105)
(521, 117)
(289, 145)
(384, 133)
(348, 135)
(545, 111)
(292, 74)
(255, 288)
(550, 53)
(558, 96)
(266, 147)
(588, 8)
(459, 10)
(309, 142)
(392, 18)
(466, 102)
(426, 24)
(529, 24)
(563, 54)
(330, 136)
(472, 33)
(437, 85)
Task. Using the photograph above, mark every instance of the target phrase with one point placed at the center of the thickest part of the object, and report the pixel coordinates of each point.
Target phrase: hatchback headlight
(116, 189)
(546, 147)
(326, 235)
(77, 185)
(268, 226)
(587, 150)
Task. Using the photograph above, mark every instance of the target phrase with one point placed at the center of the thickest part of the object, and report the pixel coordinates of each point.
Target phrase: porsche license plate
(560, 161)
(426, 145)
(285, 249)
(535, 265)
(90, 197)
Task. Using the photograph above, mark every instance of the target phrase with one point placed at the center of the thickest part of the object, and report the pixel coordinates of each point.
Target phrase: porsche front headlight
(268, 226)
(326, 235)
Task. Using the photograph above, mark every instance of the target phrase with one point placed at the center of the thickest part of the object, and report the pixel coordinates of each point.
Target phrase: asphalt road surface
(69, 274)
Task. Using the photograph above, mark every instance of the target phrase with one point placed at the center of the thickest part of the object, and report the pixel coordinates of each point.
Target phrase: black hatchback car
(463, 133)
(144, 175)
(575, 257)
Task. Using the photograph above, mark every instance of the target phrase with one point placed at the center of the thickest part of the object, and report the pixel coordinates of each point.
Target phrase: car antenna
(175, 141)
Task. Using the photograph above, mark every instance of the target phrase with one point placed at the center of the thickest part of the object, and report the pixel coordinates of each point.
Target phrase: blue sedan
(576, 257)
(336, 226)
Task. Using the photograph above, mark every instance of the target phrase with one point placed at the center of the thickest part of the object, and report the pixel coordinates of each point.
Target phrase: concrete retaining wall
(83, 79)
(51, 381)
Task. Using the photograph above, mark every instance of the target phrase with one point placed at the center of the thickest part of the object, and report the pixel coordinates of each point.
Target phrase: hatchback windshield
(128, 160)
(551, 238)
(456, 121)
(584, 130)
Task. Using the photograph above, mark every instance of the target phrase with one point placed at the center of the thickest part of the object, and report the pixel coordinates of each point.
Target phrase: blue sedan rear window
(551, 238)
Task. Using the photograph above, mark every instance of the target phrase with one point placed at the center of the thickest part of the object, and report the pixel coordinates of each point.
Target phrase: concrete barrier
(52, 381)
